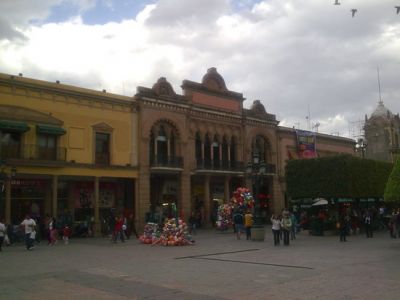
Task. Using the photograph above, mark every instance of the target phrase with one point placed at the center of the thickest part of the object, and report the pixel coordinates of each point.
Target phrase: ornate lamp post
(361, 146)
(256, 171)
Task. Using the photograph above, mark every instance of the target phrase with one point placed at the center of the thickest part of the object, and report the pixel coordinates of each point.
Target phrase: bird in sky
(397, 9)
(353, 12)
(336, 2)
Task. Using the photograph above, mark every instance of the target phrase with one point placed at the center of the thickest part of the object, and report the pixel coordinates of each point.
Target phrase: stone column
(143, 199)
(54, 196)
(185, 195)
(8, 201)
(226, 189)
(136, 204)
(278, 196)
(96, 227)
(206, 200)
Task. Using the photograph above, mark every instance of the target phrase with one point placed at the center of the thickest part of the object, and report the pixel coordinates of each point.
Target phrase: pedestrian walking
(238, 223)
(192, 223)
(66, 234)
(52, 232)
(344, 224)
(368, 224)
(3, 232)
(293, 230)
(286, 225)
(276, 229)
(118, 231)
(248, 223)
(392, 225)
(29, 226)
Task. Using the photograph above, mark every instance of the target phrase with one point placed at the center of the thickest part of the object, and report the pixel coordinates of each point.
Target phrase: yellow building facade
(66, 152)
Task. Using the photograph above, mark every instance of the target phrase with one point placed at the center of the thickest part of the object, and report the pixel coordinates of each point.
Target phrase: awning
(14, 126)
(344, 200)
(48, 129)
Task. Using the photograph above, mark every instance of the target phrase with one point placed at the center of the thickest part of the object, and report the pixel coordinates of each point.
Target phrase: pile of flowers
(224, 220)
(242, 198)
(174, 233)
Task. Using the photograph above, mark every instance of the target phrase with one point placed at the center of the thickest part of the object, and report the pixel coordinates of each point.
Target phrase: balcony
(220, 165)
(161, 161)
(102, 158)
(32, 152)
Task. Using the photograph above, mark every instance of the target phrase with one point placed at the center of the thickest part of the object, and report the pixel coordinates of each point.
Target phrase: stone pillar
(136, 205)
(8, 201)
(278, 196)
(54, 203)
(143, 201)
(96, 227)
(185, 196)
(206, 200)
(226, 189)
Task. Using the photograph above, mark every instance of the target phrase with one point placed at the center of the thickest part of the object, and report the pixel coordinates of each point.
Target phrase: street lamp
(256, 171)
(361, 146)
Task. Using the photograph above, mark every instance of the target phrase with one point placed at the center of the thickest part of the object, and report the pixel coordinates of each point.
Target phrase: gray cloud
(190, 13)
(290, 54)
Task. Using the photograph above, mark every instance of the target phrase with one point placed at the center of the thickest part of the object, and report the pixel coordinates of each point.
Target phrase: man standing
(238, 223)
(248, 223)
(29, 228)
(286, 225)
(368, 224)
(2, 233)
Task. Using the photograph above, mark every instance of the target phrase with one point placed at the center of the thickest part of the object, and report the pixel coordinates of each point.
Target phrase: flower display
(224, 217)
(174, 233)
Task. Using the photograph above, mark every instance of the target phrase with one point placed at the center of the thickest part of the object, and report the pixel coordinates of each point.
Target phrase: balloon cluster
(242, 198)
(174, 233)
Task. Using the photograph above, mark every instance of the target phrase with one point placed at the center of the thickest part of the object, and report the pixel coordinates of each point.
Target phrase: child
(66, 234)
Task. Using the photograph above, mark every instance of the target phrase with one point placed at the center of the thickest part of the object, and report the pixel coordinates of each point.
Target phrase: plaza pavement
(217, 267)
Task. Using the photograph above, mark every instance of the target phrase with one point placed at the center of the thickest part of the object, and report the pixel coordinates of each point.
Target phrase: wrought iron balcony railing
(220, 165)
(166, 161)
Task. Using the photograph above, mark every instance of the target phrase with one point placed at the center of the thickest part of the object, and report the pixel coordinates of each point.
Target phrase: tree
(392, 189)
(341, 176)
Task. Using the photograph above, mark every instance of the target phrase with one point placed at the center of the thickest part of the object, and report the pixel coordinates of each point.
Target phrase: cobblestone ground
(218, 267)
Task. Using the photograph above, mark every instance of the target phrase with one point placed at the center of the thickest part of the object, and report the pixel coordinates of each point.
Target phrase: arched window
(163, 144)
(233, 149)
(215, 151)
(207, 151)
(259, 147)
(198, 146)
(225, 156)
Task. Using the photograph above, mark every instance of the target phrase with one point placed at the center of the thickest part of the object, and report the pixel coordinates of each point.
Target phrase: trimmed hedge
(392, 190)
(341, 176)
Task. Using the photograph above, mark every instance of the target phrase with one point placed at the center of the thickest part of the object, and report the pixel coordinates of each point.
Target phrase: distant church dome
(381, 111)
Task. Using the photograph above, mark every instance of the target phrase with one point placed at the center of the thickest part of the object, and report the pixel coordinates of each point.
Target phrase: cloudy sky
(299, 57)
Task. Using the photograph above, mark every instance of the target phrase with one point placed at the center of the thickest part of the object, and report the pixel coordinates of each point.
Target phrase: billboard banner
(306, 144)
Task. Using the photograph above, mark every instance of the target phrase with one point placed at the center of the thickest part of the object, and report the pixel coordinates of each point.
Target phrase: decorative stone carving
(163, 88)
(214, 81)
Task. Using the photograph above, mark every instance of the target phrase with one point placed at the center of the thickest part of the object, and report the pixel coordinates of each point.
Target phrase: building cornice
(57, 92)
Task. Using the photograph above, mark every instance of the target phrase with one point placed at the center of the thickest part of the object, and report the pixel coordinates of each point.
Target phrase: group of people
(242, 221)
(120, 227)
(284, 227)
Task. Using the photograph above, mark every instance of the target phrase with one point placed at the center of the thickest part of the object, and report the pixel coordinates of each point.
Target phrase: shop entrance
(163, 197)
